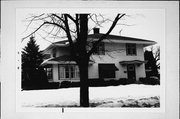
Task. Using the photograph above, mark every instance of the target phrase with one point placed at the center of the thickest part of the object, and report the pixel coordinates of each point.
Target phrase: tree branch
(42, 26)
(33, 31)
(105, 35)
(58, 17)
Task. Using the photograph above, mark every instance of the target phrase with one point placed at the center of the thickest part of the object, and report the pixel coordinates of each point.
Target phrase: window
(68, 71)
(108, 74)
(131, 49)
(54, 52)
(107, 70)
(100, 50)
(49, 73)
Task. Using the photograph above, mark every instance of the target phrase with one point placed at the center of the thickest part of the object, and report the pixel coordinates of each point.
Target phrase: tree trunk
(84, 83)
(83, 61)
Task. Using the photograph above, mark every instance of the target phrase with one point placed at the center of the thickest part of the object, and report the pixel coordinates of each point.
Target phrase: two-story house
(116, 57)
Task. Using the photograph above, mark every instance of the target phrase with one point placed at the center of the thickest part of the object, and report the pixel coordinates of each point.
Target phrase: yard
(133, 95)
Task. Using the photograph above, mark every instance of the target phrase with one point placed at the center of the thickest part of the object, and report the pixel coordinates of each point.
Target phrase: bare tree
(75, 27)
(156, 54)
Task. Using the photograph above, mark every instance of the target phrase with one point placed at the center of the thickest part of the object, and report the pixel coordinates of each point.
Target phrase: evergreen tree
(151, 63)
(32, 73)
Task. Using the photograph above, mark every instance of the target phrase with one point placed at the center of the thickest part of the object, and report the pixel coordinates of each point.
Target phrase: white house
(116, 57)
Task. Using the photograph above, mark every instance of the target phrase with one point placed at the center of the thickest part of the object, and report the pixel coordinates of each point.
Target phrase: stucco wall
(116, 53)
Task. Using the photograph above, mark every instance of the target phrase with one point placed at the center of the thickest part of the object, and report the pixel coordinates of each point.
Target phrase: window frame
(106, 73)
(72, 71)
(54, 52)
(49, 73)
(131, 49)
(100, 49)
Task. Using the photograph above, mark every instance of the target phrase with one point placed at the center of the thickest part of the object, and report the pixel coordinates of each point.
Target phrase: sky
(146, 24)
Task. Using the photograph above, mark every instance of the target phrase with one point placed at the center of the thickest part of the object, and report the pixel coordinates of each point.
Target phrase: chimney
(96, 30)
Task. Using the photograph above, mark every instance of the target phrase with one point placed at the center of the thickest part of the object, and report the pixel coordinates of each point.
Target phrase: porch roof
(65, 59)
(132, 62)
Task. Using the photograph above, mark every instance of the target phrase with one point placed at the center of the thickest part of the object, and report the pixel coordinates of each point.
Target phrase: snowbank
(113, 96)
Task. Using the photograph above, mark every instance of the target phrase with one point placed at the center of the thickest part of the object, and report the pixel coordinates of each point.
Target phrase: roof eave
(54, 45)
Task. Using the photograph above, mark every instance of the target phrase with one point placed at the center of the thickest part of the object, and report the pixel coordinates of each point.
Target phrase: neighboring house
(116, 57)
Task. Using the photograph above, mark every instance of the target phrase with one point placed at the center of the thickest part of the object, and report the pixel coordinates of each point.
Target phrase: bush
(75, 84)
(96, 82)
(53, 85)
(150, 80)
(28, 86)
(111, 82)
(154, 80)
(65, 84)
(123, 81)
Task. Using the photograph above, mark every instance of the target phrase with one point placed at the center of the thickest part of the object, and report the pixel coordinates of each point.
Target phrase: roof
(132, 62)
(64, 59)
(116, 37)
(61, 42)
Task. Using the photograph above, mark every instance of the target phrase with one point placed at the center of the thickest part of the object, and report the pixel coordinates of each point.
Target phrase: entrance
(131, 73)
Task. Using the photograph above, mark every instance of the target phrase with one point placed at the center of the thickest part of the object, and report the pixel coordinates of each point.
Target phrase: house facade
(116, 57)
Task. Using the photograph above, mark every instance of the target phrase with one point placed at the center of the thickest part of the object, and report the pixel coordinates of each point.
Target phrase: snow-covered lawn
(133, 95)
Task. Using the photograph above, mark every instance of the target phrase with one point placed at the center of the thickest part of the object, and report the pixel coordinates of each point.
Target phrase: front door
(131, 73)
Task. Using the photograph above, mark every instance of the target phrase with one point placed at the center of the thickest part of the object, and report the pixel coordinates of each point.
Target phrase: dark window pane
(107, 70)
(100, 50)
(131, 49)
(54, 52)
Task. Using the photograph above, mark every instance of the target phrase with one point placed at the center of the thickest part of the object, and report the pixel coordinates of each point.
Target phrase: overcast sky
(146, 24)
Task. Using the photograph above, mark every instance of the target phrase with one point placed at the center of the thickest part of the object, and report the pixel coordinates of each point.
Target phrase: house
(116, 57)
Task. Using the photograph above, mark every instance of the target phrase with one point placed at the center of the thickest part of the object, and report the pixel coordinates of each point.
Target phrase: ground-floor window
(68, 71)
(49, 73)
(107, 70)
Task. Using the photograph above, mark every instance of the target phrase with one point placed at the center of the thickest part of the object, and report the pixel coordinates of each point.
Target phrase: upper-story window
(54, 52)
(131, 49)
(100, 50)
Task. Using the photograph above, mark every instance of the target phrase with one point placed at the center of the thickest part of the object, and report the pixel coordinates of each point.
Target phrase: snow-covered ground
(113, 96)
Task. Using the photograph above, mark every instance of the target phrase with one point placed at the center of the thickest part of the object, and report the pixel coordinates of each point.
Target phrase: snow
(134, 95)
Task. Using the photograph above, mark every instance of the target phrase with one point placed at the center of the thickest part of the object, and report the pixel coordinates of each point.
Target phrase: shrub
(154, 81)
(52, 85)
(110, 82)
(123, 81)
(65, 84)
(150, 80)
(143, 80)
(96, 82)
(75, 84)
